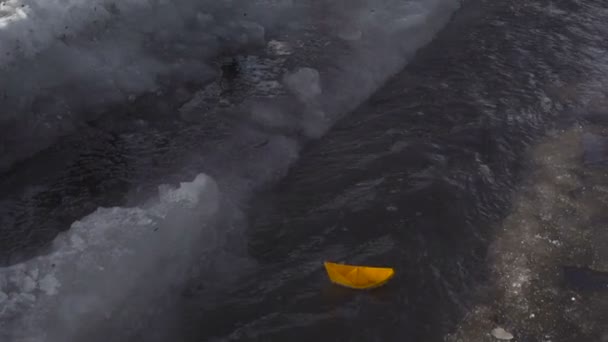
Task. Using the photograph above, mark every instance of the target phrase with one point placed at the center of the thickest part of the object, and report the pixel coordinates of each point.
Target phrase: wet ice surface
(548, 260)
(557, 221)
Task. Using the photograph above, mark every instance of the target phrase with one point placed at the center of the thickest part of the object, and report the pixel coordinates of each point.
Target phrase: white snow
(11, 12)
(49, 285)
(104, 258)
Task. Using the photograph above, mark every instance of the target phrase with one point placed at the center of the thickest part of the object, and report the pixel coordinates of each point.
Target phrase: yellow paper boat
(358, 277)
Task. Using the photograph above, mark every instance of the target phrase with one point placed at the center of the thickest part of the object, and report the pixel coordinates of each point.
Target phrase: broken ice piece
(49, 285)
(502, 334)
(279, 48)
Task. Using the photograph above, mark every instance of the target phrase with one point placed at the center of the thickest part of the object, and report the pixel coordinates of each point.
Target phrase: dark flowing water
(477, 171)
(420, 178)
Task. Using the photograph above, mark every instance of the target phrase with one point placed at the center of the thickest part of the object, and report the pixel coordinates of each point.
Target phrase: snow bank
(113, 256)
(65, 62)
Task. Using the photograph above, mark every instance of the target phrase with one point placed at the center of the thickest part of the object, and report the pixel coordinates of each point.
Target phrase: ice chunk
(154, 244)
(189, 193)
(502, 334)
(279, 48)
(28, 284)
(305, 83)
(77, 242)
(49, 285)
(34, 273)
